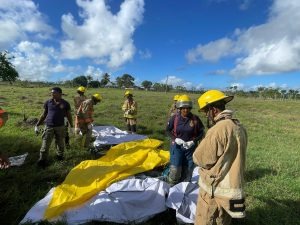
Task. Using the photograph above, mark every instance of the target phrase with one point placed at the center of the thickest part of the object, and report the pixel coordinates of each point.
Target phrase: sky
(197, 44)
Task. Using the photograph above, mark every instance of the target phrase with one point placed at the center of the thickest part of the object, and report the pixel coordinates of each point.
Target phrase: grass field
(273, 157)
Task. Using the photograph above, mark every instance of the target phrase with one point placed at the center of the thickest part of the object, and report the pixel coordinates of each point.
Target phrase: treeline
(8, 74)
(260, 92)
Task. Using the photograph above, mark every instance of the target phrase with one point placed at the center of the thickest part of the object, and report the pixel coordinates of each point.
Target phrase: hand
(179, 141)
(36, 130)
(4, 162)
(90, 127)
(76, 131)
(188, 144)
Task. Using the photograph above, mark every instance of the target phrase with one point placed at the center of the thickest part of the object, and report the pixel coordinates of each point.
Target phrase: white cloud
(269, 48)
(245, 4)
(103, 36)
(212, 51)
(176, 81)
(239, 86)
(146, 54)
(20, 19)
(35, 62)
(96, 73)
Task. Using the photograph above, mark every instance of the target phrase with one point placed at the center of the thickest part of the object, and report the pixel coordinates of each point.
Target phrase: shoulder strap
(175, 125)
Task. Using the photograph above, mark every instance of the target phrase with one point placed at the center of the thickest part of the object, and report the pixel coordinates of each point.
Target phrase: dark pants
(181, 163)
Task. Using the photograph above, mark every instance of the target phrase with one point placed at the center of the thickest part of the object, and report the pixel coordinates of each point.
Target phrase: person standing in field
(55, 109)
(221, 157)
(185, 130)
(84, 117)
(130, 112)
(173, 110)
(78, 99)
(4, 162)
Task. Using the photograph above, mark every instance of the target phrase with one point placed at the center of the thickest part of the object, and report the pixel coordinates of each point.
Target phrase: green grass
(273, 159)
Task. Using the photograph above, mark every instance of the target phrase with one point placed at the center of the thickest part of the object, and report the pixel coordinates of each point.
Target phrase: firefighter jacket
(78, 100)
(221, 157)
(3, 117)
(130, 109)
(85, 112)
(173, 110)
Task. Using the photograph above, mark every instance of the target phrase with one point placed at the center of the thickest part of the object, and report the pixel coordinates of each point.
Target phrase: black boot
(41, 163)
(67, 141)
(133, 128)
(129, 128)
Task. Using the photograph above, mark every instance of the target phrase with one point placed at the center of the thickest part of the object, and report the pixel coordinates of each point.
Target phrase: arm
(124, 106)
(42, 117)
(133, 108)
(170, 127)
(205, 154)
(69, 117)
(4, 162)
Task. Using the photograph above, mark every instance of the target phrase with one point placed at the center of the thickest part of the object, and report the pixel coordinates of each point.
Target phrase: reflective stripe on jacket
(130, 109)
(85, 112)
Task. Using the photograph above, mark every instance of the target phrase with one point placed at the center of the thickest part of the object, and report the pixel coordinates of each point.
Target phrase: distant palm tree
(89, 79)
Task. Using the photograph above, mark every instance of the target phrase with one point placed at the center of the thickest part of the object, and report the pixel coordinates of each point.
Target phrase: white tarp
(17, 160)
(110, 135)
(127, 201)
(131, 200)
(183, 198)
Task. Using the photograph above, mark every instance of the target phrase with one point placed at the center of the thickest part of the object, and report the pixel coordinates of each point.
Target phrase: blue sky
(192, 43)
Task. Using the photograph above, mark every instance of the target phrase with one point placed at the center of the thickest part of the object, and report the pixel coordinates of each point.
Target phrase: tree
(7, 70)
(147, 84)
(105, 79)
(94, 84)
(89, 79)
(180, 88)
(80, 81)
(125, 81)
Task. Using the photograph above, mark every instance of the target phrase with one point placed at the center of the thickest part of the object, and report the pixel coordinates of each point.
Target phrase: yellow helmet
(184, 101)
(127, 93)
(97, 97)
(212, 96)
(81, 89)
(176, 97)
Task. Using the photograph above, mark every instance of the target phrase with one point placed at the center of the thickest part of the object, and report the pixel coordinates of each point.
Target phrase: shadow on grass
(23, 186)
(144, 130)
(274, 212)
(259, 173)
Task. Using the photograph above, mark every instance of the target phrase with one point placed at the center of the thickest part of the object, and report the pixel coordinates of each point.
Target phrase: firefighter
(4, 162)
(84, 118)
(185, 130)
(55, 109)
(130, 112)
(78, 99)
(221, 157)
(173, 110)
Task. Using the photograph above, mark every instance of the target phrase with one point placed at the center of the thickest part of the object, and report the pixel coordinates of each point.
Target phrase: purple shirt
(56, 112)
(187, 129)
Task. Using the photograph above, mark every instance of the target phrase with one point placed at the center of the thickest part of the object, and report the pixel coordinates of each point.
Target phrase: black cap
(56, 89)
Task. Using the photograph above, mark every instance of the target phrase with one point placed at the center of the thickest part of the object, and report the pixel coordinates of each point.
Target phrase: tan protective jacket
(221, 157)
(85, 112)
(78, 100)
(130, 109)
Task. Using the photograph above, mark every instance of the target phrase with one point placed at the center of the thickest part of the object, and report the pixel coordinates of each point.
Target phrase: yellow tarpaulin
(91, 176)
